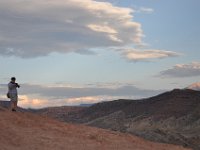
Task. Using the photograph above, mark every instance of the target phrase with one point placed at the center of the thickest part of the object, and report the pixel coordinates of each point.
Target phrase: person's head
(13, 79)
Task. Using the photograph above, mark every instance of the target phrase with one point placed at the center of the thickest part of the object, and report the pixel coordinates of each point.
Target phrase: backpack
(8, 95)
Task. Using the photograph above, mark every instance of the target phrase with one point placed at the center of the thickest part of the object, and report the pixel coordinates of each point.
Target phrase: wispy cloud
(182, 70)
(84, 91)
(148, 55)
(145, 10)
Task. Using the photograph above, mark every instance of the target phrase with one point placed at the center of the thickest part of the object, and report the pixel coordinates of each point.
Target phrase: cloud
(147, 55)
(58, 95)
(40, 103)
(59, 92)
(37, 28)
(182, 70)
(26, 102)
(145, 10)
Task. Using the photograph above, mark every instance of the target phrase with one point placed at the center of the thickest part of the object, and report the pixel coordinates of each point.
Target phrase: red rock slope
(26, 131)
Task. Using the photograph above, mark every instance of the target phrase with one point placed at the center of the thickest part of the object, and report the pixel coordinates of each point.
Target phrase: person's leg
(15, 105)
(12, 105)
(13, 99)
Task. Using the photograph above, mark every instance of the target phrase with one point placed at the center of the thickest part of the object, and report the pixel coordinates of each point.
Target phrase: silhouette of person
(12, 91)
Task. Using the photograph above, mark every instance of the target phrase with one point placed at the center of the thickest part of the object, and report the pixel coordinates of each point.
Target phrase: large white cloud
(182, 70)
(35, 28)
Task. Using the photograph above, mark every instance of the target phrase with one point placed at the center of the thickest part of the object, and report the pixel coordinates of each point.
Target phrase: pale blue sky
(69, 44)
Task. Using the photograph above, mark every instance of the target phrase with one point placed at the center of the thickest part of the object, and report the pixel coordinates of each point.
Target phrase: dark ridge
(174, 103)
(171, 117)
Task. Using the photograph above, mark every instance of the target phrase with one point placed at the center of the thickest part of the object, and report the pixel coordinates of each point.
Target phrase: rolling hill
(26, 131)
(172, 117)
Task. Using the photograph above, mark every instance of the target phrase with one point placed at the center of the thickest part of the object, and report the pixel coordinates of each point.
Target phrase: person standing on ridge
(12, 91)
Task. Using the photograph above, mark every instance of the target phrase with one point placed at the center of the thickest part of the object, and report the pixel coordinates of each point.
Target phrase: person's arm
(17, 85)
(13, 85)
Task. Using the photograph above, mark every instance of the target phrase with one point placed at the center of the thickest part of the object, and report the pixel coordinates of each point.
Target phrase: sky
(72, 52)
